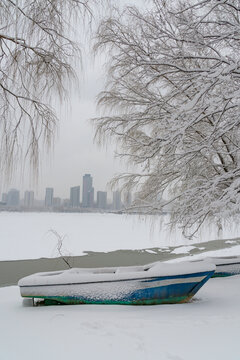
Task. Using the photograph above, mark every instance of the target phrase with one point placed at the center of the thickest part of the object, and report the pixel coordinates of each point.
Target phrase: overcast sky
(75, 152)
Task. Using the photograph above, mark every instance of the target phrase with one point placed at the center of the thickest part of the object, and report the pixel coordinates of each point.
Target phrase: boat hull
(226, 266)
(144, 291)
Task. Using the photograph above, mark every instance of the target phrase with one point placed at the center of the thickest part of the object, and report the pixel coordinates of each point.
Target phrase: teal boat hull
(144, 291)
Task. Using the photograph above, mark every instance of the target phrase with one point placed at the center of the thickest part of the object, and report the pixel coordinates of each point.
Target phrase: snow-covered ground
(28, 236)
(207, 328)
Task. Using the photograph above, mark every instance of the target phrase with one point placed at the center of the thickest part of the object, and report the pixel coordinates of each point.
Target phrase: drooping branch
(38, 53)
(174, 90)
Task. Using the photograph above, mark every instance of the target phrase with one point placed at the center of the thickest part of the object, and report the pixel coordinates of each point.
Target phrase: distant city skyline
(87, 199)
(62, 191)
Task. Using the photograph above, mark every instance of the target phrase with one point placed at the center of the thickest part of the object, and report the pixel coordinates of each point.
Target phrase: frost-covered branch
(37, 55)
(174, 100)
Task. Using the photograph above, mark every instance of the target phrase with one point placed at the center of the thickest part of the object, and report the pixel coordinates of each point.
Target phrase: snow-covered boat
(226, 265)
(156, 283)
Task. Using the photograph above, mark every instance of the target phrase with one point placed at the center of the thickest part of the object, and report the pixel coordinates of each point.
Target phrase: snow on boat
(156, 283)
(226, 265)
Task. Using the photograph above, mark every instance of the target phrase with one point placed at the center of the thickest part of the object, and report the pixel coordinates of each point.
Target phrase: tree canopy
(36, 53)
(173, 94)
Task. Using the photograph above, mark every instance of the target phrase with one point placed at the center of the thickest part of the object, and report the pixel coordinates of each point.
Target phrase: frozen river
(30, 235)
(27, 244)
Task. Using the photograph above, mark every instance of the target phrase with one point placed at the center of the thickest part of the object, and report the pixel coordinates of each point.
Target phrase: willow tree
(36, 63)
(174, 105)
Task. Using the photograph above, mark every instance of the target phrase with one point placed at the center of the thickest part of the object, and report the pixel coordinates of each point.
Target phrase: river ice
(29, 236)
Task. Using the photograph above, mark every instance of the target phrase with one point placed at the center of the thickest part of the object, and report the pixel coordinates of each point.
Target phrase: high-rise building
(102, 199)
(117, 204)
(87, 191)
(127, 199)
(66, 203)
(75, 196)
(57, 202)
(49, 197)
(28, 199)
(4, 197)
(13, 198)
(91, 198)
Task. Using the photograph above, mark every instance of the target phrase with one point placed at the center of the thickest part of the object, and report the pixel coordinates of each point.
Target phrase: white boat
(156, 283)
(226, 265)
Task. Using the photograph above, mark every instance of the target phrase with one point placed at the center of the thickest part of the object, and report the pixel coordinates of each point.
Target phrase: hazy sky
(75, 152)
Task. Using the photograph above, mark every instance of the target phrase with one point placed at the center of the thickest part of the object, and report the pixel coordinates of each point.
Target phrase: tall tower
(117, 204)
(91, 198)
(49, 197)
(13, 198)
(87, 191)
(127, 199)
(4, 197)
(102, 199)
(28, 199)
(75, 196)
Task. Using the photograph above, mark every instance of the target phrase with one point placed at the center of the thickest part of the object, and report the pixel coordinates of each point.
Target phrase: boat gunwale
(143, 279)
(226, 264)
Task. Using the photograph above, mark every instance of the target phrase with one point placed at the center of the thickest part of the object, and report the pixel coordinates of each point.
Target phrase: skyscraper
(127, 199)
(91, 198)
(75, 196)
(13, 198)
(56, 202)
(49, 197)
(117, 204)
(87, 191)
(102, 199)
(4, 197)
(28, 199)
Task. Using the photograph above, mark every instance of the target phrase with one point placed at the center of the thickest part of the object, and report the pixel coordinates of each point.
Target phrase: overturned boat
(156, 283)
